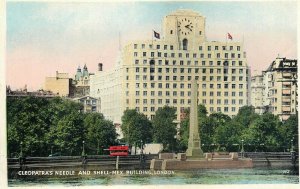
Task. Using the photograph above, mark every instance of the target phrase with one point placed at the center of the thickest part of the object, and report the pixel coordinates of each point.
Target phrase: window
(174, 93)
(208, 48)
(137, 101)
(135, 54)
(240, 101)
(143, 46)
(157, 46)
(200, 48)
(136, 61)
(152, 54)
(185, 44)
(144, 54)
(144, 101)
(135, 46)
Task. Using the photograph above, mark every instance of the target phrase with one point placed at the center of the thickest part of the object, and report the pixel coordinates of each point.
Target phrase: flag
(229, 36)
(156, 34)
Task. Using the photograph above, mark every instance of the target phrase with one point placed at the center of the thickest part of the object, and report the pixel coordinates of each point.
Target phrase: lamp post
(21, 153)
(141, 147)
(292, 147)
(242, 150)
(83, 152)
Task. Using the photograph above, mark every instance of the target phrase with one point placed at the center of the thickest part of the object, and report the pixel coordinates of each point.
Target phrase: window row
(182, 101)
(187, 55)
(183, 93)
(190, 70)
(189, 62)
(171, 47)
(182, 85)
(189, 78)
(211, 109)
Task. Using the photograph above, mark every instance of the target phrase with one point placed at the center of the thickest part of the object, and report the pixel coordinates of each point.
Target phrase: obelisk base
(194, 153)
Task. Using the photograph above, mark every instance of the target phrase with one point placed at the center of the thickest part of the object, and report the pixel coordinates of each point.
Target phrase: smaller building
(24, 93)
(81, 82)
(60, 85)
(90, 104)
(275, 90)
(258, 93)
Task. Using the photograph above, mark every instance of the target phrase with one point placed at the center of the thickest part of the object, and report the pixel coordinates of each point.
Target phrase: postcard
(150, 94)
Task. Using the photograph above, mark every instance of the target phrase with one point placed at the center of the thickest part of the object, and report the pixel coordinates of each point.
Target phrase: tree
(27, 124)
(136, 127)
(264, 133)
(229, 135)
(246, 116)
(69, 134)
(289, 131)
(164, 128)
(100, 132)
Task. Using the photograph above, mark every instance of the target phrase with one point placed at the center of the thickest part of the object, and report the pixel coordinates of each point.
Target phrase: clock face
(185, 26)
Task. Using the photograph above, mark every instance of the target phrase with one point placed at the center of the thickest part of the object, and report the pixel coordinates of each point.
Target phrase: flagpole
(152, 37)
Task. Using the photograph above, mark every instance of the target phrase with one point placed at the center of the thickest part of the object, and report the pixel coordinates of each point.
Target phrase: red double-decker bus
(118, 150)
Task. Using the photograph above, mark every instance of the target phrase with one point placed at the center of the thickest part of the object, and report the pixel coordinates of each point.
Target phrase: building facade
(60, 85)
(81, 82)
(155, 73)
(281, 87)
(90, 104)
(258, 98)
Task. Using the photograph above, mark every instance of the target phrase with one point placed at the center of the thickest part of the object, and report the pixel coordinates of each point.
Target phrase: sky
(46, 37)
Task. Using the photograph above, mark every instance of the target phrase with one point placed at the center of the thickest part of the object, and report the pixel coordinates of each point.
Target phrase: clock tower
(185, 28)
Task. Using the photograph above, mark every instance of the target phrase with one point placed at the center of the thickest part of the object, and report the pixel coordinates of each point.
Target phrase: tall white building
(281, 87)
(155, 73)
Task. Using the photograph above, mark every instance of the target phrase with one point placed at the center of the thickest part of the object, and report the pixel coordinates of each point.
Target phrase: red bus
(118, 150)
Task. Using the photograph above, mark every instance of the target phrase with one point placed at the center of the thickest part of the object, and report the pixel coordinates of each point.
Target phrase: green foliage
(290, 131)
(246, 116)
(44, 125)
(259, 132)
(164, 128)
(100, 133)
(136, 127)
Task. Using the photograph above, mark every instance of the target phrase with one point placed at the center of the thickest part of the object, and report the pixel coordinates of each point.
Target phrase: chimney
(100, 66)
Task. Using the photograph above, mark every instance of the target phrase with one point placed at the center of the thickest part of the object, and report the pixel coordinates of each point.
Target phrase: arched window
(185, 44)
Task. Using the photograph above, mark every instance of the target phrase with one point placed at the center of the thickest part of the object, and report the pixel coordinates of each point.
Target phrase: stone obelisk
(194, 150)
